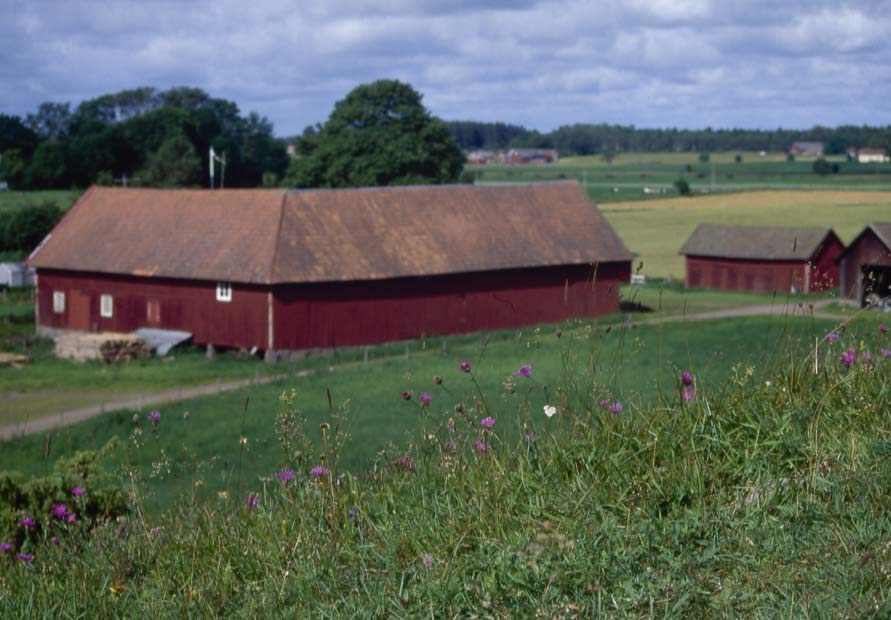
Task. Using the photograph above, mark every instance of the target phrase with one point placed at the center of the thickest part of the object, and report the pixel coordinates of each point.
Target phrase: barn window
(224, 291)
(106, 306)
(58, 302)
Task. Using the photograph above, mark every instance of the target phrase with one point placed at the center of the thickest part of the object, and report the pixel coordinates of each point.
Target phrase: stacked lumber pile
(108, 347)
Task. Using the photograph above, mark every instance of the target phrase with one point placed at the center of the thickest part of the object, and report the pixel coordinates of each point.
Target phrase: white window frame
(224, 292)
(106, 306)
(59, 302)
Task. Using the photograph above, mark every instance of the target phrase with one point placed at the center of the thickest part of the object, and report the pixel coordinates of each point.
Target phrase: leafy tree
(174, 164)
(12, 168)
(822, 167)
(683, 187)
(22, 229)
(379, 134)
(14, 135)
(48, 169)
(704, 157)
(51, 120)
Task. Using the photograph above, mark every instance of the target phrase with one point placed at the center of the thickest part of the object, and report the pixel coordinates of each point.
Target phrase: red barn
(293, 270)
(762, 259)
(865, 266)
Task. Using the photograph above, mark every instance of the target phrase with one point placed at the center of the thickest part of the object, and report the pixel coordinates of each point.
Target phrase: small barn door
(79, 311)
(153, 312)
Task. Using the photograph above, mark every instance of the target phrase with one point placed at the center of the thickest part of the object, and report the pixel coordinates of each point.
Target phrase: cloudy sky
(650, 63)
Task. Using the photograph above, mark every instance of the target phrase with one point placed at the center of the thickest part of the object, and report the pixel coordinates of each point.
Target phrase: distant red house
(762, 259)
(864, 267)
(293, 270)
(531, 156)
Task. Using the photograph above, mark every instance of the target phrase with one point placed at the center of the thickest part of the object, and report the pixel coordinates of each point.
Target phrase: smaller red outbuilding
(762, 259)
(864, 268)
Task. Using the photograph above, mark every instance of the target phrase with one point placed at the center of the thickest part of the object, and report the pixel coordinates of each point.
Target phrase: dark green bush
(22, 229)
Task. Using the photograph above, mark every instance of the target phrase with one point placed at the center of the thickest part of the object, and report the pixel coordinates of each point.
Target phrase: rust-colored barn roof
(277, 236)
(757, 242)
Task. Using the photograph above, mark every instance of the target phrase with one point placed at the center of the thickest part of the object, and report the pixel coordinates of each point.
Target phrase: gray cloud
(652, 63)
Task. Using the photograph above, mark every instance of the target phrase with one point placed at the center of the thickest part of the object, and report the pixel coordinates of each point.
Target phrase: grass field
(648, 176)
(762, 493)
(628, 365)
(658, 228)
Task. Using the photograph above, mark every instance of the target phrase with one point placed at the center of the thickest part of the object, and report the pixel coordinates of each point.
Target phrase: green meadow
(759, 490)
(199, 439)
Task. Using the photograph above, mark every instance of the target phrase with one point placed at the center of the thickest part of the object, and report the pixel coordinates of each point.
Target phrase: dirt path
(141, 402)
(66, 418)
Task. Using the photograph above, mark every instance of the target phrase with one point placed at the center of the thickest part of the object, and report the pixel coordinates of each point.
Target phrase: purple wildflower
(604, 404)
(154, 417)
(616, 407)
(882, 328)
(427, 560)
(25, 557)
(28, 522)
(480, 446)
(285, 475)
(886, 352)
(865, 356)
(55, 540)
(528, 437)
(5, 547)
(153, 533)
(524, 371)
(352, 512)
(406, 395)
(425, 398)
(848, 358)
(318, 471)
(406, 463)
(487, 423)
(78, 491)
(832, 336)
(688, 393)
(72, 518)
(687, 378)
(59, 511)
(251, 500)
(465, 366)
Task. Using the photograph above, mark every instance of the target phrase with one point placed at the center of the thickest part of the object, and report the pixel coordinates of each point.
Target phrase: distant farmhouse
(476, 158)
(762, 259)
(294, 270)
(531, 156)
(14, 275)
(806, 149)
(865, 265)
(513, 156)
(872, 156)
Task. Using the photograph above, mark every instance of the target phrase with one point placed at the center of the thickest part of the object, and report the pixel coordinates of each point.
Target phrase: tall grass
(763, 496)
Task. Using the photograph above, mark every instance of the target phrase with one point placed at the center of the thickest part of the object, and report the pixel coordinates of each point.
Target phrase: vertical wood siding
(154, 302)
(355, 313)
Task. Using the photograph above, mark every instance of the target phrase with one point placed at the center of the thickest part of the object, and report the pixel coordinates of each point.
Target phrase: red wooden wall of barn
(355, 313)
(867, 250)
(184, 305)
(763, 276)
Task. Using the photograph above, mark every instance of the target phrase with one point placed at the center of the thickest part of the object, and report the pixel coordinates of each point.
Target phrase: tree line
(590, 139)
(152, 138)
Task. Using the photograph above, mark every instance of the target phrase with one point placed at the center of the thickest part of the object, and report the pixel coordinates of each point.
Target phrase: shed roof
(757, 242)
(277, 236)
(882, 231)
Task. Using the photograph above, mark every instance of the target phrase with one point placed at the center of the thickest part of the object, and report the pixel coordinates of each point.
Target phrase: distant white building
(15, 275)
(872, 156)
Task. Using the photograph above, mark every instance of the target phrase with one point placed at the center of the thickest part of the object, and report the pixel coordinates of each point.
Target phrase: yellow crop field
(656, 229)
